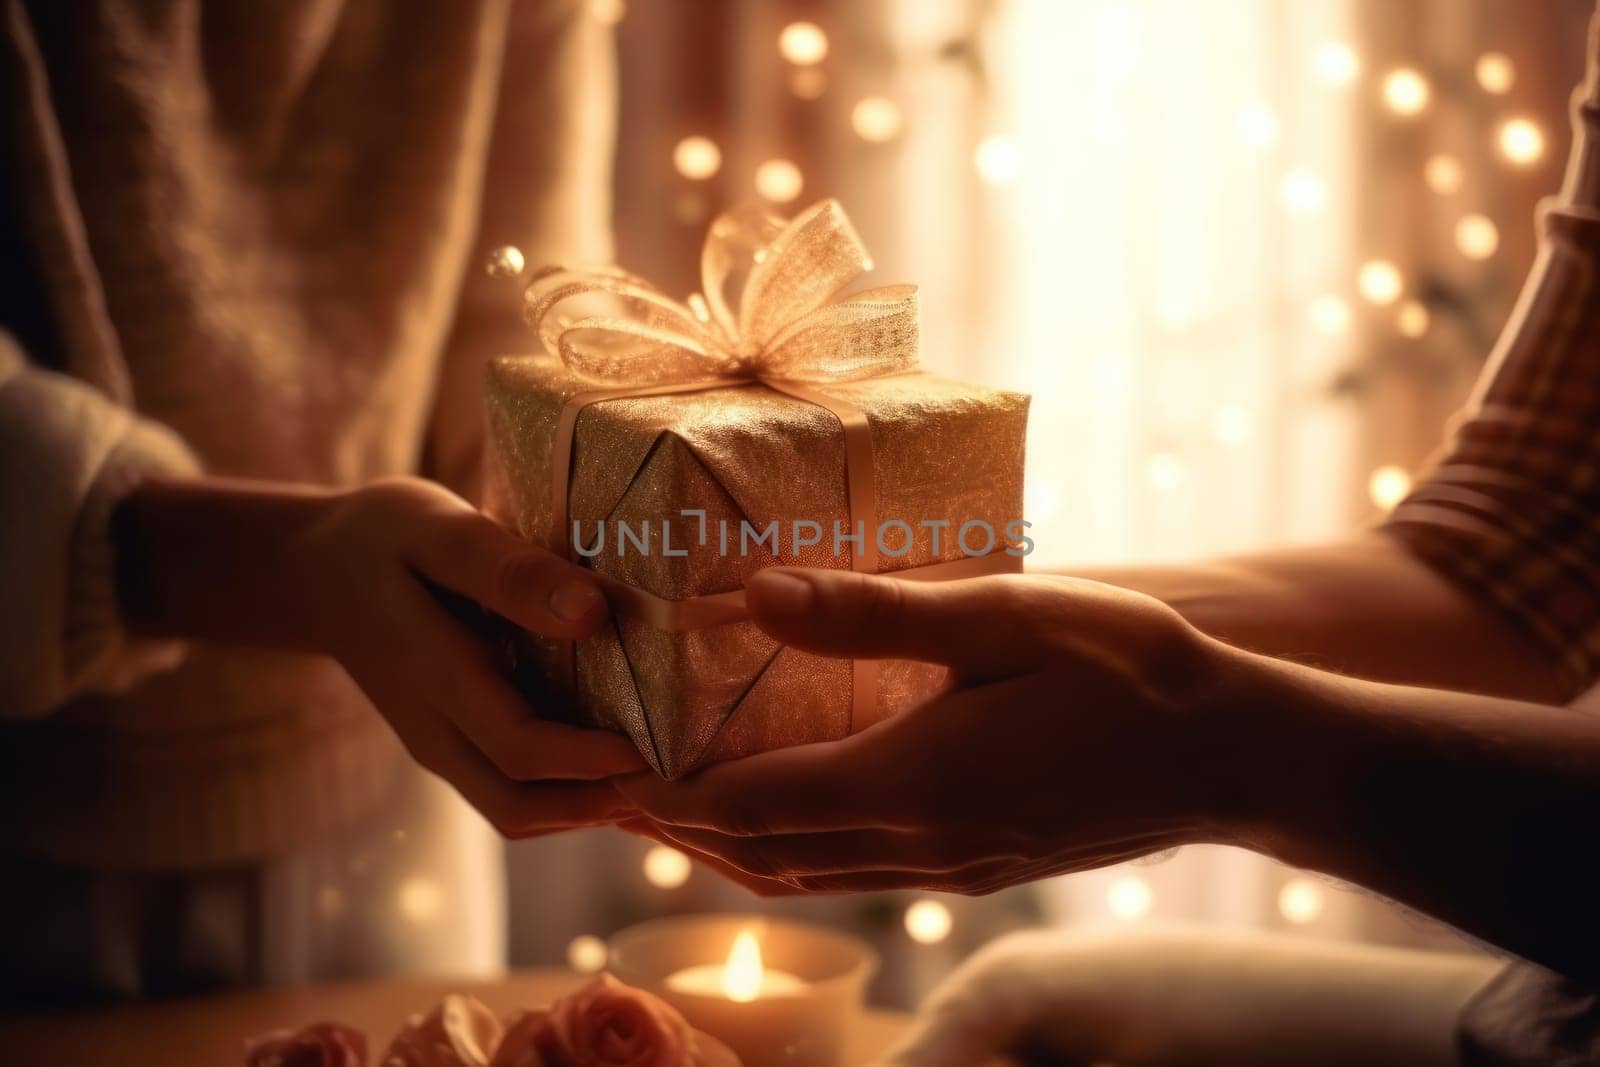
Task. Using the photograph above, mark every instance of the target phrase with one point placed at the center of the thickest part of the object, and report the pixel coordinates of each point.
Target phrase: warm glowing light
(1495, 72)
(666, 868)
(586, 954)
(1256, 125)
(697, 158)
(1443, 174)
(1380, 282)
(1300, 900)
(1232, 425)
(1336, 63)
(808, 83)
(1413, 320)
(420, 899)
(1302, 192)
(1521, 141)
(505, 262)
(1130, 897)
(876, 119)
(1040, 500)
(1388, 486)
(1164, 471)
(803, 43)
(779, 180)
(1477, 236)
(1406, 91)
(998, 159)
(1330, 314)
(928, 922)
(741, 977)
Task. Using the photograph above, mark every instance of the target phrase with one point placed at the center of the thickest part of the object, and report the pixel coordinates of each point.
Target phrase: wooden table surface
(212, 1030)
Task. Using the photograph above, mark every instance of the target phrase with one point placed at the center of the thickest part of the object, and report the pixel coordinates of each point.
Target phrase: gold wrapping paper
(778, 404)
(743, 453)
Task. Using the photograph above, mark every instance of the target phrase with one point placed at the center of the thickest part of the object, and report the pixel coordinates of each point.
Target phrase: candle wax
(708, 979)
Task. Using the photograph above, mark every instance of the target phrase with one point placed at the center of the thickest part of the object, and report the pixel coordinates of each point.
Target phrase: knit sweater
(245, 239)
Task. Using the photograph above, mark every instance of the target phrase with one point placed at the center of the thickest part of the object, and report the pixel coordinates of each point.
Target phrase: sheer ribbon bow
(782, 323)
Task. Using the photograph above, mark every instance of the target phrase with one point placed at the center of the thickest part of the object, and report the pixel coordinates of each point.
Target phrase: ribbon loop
(783, 323)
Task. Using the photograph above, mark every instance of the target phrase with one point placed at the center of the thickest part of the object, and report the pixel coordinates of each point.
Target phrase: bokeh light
(697, 158)
(1380, 282)
(586, 954)
(1443, 174)
(1336, 63)
(928, 922)
(1477, 237)
(803, 43)
(1388, 485)
(1406, 92)
(779, 180)
(1300, 900)
(1130, 897)
(1413, 319)
(876, 119)
(1521, 141)
(665, 867)
(1330, 314)
(1302, 192)
(1495, 72)
(998, 159)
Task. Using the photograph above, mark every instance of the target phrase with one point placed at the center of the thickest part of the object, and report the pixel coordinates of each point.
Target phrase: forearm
(1480, 811)
(1364, 607)
(219, 559)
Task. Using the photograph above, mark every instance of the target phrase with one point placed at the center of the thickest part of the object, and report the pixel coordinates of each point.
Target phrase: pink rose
(460, 1032)
(318, 1045)
(605, 1024)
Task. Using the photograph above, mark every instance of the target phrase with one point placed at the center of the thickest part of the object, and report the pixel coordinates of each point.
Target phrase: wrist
(1238, 754)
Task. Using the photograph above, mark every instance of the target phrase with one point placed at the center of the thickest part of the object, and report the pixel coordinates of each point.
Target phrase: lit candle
(799, 1011)
(741, 979)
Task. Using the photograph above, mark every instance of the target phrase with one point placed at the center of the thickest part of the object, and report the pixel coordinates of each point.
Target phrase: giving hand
(1081, 728)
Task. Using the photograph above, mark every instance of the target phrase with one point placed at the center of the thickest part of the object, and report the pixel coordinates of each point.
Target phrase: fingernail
(574, 600)
(783, 593)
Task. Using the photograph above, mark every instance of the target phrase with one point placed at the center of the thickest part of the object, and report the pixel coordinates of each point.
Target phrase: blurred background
(1247, 255)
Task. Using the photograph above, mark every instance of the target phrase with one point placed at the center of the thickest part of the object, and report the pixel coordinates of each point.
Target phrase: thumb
(978, 626)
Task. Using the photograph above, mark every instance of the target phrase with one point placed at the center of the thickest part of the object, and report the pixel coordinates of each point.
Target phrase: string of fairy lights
(1404, 92)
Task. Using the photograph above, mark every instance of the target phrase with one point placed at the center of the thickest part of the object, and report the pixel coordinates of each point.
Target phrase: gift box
(676, 449)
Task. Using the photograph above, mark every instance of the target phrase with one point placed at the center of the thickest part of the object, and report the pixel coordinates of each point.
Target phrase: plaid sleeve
(1511, 507)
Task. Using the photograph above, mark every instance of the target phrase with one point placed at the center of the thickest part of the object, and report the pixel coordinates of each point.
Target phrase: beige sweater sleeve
(68, 454)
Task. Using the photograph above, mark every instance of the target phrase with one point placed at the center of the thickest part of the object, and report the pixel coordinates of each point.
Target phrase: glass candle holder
(801, 1012)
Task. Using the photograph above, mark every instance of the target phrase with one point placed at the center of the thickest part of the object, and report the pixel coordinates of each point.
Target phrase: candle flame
(741, 976)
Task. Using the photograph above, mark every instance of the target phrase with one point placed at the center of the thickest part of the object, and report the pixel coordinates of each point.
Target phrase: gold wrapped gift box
(784, 413)
(742, 454)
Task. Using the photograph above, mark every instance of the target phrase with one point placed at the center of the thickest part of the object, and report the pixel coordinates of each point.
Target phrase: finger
(981, 626)
(976, 879)
(840, 852)
(515, 809)
(535, 589)
(829, 785)
(462, 684)
(763, 887)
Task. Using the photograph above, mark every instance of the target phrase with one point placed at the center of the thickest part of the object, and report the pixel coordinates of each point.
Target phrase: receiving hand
(1082, 727)
(366, 567)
